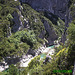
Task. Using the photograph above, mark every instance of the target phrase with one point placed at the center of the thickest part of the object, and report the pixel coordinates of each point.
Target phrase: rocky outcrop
(51, 33)
(18, 23)
(22, 22)
(8, 61)
(17, 18)
(57, 7)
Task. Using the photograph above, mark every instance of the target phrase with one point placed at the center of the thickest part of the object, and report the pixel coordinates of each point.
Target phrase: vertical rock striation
(57, 7)
(18, 23)
(51, 33)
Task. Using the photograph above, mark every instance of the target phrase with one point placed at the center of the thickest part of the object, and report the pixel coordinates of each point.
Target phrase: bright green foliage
(71, 33)
(9, 17)
(59, 62)
(24, 71)
(71, 43)
(71, 56)
(6, 10)
(72, 9)
(57, 49)
(34, 19)
(4, 27)
(23, 36)
(6, 48)
(35, 67)
(55, 23)
(0, 8)
(23, 47)
(6, 17)
(12, 70)
(13, 3)
(34, 62)
(59, 27)
(36, 71)
(29, 37)
(18, 43)
(40, 40)
(21, 41)
(63, 60)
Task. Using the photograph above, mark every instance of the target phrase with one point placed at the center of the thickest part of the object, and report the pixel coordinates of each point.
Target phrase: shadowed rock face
(51, 33)
(57, 7)
(18, 23)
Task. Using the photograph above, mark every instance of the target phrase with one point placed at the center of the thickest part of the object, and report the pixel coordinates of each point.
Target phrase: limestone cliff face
(51, 33)
(17, 20)
(26, 17)
(57, 7)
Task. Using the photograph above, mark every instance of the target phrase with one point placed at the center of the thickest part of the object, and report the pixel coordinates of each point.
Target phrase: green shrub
(0, 8)
(31, 15)
(34, 62)
(9, 17)
(24, 47)
(71, 33)
(12, 70)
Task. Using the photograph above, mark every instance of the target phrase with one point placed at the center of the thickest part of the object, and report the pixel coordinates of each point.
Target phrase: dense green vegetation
(20, 42)
(36, 20)
(13, 44)
(33, 17)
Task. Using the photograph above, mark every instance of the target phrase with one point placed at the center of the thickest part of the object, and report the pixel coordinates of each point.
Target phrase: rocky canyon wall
(57, 7)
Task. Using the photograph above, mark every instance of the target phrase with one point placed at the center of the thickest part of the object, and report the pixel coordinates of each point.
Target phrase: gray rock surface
(57, 7)
(52, 35)
(17, 20)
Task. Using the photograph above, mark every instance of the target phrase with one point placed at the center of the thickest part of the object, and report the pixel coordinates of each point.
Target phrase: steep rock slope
(42, 27)
(26, 27)
(57, 7)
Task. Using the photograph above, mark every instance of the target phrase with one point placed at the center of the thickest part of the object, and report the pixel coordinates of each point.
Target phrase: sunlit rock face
(57, 7)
